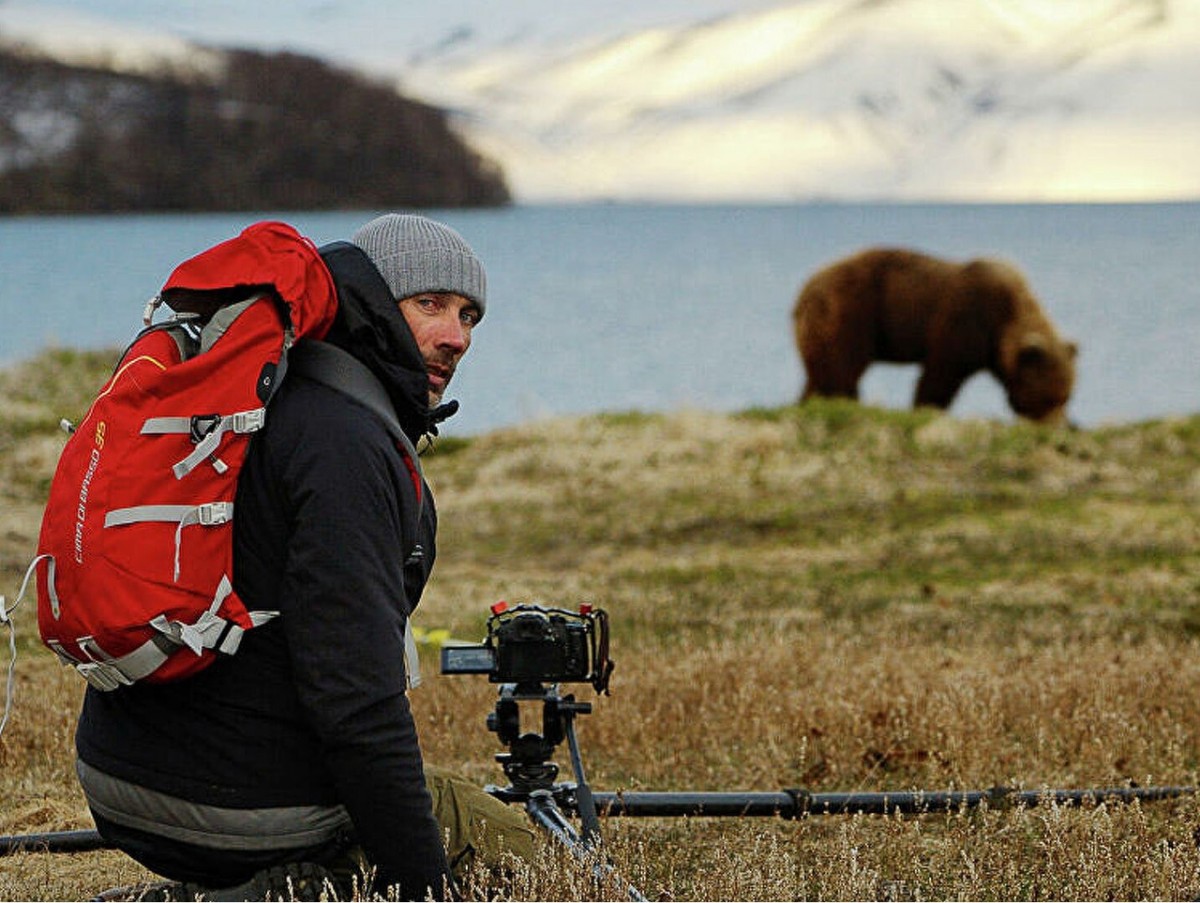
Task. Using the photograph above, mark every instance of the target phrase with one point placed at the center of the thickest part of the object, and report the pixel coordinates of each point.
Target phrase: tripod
(532, 776)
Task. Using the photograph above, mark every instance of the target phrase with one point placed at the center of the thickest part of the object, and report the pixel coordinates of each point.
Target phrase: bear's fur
(955, 319)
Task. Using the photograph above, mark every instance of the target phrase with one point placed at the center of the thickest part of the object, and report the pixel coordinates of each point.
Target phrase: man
(301, 748)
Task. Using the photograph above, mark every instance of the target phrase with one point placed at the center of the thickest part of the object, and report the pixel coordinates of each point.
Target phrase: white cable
(6, 618)
(12, 664)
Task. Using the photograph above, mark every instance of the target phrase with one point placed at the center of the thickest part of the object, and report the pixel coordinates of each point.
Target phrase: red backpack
(135, 556)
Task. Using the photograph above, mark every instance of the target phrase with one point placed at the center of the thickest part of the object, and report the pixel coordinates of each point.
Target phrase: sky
(366, 30)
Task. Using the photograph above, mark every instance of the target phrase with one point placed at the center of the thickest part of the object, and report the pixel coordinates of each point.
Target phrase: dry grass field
(831, 597)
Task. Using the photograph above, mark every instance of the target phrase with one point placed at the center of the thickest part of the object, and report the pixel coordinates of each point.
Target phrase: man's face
(441, 323)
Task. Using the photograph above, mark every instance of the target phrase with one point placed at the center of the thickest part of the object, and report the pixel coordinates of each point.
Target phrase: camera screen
(467, 660)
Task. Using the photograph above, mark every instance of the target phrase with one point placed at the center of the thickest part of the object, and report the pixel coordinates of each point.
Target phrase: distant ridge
(739, 100)
(246, 131)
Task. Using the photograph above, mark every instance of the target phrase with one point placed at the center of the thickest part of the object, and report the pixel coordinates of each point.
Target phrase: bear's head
(1036, 365)
(1040, 377)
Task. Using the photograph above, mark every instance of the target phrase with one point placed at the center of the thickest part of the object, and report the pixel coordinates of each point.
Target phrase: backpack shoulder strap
(340, 370)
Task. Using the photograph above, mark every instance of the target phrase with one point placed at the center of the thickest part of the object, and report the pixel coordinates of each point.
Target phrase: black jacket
(312, 708)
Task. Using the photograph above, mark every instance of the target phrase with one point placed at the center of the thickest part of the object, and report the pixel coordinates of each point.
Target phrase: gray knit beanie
(415, 255)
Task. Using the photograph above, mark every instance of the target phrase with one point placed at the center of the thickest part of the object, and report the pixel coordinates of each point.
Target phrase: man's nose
(452, 333)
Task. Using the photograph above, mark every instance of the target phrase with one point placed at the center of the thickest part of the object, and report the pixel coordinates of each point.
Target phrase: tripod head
(527, 764)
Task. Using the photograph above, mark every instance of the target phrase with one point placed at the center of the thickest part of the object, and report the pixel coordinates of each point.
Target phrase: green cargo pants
(482, 834)
(477, 827)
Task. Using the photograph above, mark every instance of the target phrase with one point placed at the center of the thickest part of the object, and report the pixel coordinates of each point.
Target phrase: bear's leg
(833, 375)
(842, 384)
(938, 385)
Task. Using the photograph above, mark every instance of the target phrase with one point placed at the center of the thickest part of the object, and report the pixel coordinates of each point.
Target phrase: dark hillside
(271, 131)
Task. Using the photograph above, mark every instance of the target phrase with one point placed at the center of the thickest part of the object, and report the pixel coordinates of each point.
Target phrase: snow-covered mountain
(725, 100)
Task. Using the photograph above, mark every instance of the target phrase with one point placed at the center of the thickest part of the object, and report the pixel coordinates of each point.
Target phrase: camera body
(542, 647)
(528, 644)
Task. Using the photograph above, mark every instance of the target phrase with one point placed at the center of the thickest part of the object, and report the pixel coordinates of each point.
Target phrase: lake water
(657, 308)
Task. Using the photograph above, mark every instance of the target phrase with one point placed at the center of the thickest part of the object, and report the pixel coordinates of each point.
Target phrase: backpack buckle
(103, 676)
(214, 513)
(249, 421)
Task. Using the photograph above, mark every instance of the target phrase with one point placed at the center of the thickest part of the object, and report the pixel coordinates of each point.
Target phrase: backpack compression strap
(210, 429)
(210, 631)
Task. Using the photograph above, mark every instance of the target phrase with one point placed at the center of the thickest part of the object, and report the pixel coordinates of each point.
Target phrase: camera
(529, 644)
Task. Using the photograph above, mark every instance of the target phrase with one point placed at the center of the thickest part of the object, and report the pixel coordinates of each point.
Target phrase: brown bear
(955, 319)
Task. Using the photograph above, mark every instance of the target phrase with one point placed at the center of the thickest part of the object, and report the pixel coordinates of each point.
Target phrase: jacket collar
(370, 326)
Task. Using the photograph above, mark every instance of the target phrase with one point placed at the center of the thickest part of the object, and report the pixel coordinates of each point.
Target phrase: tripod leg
(545, 813)
(584, 801)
